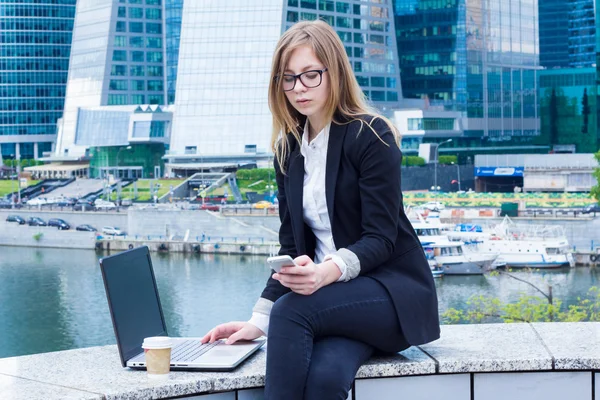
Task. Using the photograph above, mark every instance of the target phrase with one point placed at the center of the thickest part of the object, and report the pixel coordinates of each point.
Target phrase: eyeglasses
(310, 79)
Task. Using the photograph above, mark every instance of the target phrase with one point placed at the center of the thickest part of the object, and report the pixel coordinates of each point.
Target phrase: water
(53, 299)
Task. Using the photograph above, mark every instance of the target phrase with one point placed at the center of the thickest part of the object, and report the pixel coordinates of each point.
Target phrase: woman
(362, 283)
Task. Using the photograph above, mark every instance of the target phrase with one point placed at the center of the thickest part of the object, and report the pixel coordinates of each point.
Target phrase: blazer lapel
(334, 155)
(295, 190)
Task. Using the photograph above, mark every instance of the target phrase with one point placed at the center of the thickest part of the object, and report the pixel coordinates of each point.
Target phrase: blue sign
(499, 171)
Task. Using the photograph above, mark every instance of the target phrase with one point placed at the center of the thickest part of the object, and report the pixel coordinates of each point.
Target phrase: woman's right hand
(233, 331)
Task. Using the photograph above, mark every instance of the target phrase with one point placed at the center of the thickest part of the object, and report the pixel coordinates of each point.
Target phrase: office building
(34, 59)
(476, 61)
(582, 33)
(554, 33)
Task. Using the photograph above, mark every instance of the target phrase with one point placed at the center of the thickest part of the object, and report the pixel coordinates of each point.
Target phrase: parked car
(38, 201)
(103, 204)
(262, 204)
(83, 204)
(36, 221)
(433, 206)
(5, 204)
(112, 230)
(86, 228)
(592, 208)
(61, 224)
(210, 207)
(17, 219)
(66, 202)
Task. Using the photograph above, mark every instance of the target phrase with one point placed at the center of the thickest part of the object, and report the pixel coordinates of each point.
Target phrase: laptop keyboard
(189, 350)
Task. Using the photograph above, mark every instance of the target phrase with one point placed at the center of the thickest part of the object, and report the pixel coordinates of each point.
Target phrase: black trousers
(317, 343)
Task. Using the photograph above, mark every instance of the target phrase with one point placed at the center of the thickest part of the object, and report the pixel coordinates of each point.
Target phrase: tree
(585, 111)
(553, 118)
(596, 189)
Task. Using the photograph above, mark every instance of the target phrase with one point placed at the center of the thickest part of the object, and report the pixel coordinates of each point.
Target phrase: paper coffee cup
(157, 350)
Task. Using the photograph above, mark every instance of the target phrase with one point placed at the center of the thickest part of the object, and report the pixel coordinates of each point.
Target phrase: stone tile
(251, 374)
(411, 361)
(533, 386)
(574, 345)
(98, 370)
(489, 348)
(14, 388)
(446, 387)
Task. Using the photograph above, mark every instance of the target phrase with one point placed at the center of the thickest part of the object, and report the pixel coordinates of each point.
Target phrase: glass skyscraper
(582, 33)
(554, 33)
(35, 43)
(173, 10)
(475, 57)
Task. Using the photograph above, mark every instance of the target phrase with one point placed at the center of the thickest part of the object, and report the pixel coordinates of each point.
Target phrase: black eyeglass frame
(299, 76)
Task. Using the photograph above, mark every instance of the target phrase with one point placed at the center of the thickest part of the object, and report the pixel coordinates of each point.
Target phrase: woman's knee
(289, 307)
(326, 381)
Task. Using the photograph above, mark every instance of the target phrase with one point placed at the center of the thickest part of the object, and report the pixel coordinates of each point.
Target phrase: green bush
(448, 159)
(413, 161)
(256, 174)
(38, 236)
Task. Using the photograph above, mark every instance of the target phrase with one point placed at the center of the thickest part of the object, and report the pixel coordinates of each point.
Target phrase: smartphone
(280, 261)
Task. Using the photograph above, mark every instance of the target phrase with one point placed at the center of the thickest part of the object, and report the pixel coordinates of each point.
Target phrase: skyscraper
(582, 33)
(35, 42)
(476, 58)
(554, 33)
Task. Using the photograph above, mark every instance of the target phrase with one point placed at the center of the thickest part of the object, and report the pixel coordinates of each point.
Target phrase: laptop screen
(133, 300)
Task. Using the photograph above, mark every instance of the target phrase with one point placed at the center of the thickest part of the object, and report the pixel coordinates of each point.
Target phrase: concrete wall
(12, 234)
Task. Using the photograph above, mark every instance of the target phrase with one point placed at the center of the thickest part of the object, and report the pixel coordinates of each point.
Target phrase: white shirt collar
(320, 141)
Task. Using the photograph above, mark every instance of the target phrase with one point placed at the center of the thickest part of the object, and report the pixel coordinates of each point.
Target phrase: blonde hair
(345, 98)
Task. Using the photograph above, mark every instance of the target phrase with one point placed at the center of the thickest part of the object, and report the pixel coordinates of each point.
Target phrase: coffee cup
(157, 350)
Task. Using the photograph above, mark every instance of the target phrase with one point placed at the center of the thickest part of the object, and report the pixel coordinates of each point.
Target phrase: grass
(9, 186)
(143, 189)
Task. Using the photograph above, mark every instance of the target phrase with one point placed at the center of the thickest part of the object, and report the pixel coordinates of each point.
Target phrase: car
(433, 206)
(83, 204)
(5, 204)
(86, 228)
(103, 204)
(38, 201)
(17, 219)
(262, 204)
(592, 208)
(112, 230)
(210, 207)
(36, 221)
(61, 224)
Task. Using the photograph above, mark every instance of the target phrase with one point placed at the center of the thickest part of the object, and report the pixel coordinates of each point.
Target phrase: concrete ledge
(495, 361)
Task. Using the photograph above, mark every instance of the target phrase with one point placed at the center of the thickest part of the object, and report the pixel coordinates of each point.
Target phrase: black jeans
(317, 343)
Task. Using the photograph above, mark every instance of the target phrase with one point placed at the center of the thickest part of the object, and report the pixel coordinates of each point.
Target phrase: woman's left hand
(307, 277)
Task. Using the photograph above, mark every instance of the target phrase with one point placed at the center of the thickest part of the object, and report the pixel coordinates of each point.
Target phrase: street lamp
(437, 156)
(17, 168)
(458, 173)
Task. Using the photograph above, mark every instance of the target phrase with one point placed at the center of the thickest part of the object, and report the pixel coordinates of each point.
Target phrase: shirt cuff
(261, 321)
(347, 262)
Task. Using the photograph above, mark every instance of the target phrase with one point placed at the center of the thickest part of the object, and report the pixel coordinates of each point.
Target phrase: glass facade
(367, 31)
(554, 33)
(223, 76)
(582, 33)
(146, 156)
(35, 43)
(476, 57)
(568, 108)
(173, 10)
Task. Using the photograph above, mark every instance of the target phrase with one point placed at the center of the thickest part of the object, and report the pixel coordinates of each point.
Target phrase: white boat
(527, 246)
(454, 259)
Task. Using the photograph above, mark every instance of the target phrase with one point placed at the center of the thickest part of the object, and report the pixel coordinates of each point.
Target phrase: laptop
(136, 314)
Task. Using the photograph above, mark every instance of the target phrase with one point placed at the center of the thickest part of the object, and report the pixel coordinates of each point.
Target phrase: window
(136, 27)
(154, 42)
(342, 22)
(326, 5)
(377, 81)
(377, 95)
(136, 41)
(135, 1)
(156, 86)
(121, 26)
(308, 16)
(292, 16)
(137, 70)
(136, 12)
(137, 99)
(117, 99)
(153, 13)
(155, 99)
(137, 56)
(153, 2)
(152, 27)
(118, 70)
(342, 7)
(153, 70)
(119, 55)
(138, 85)
(191, 149)
(328, 18)
(154, 56)
(120, 41)
(117, 84)
(312, 4)
(122, 13)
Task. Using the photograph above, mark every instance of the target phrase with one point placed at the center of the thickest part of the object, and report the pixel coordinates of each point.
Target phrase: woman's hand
(307, 277)
(234, 331)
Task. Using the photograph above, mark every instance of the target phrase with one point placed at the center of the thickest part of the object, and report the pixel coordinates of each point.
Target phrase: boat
(454, 259)
(436, 270)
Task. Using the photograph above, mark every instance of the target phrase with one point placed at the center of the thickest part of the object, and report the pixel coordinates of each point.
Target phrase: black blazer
(364, 201)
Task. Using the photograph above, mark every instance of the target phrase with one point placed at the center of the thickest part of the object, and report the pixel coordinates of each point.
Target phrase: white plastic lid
(157, 342)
